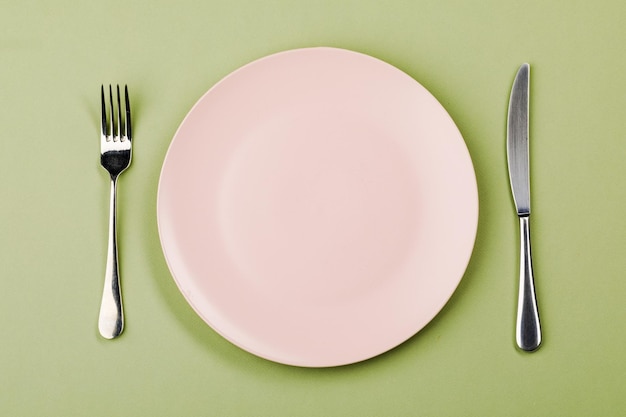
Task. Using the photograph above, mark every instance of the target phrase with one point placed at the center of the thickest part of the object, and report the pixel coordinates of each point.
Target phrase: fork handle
(111, 320)
(528, 329)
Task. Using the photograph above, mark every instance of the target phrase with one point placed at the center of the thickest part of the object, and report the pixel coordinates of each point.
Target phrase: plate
(317, 207)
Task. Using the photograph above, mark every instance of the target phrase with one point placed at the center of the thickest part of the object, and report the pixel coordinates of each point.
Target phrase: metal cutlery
(115, 156)
(528, 327)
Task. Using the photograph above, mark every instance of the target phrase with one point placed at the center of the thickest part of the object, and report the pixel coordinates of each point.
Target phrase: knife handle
(528, 329)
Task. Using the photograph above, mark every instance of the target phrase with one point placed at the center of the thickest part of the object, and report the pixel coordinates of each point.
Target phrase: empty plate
(317, 207)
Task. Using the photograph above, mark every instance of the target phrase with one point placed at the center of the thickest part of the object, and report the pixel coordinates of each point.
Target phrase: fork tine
(128, 130)
(112, 112)
(119, 115)
(103, 122)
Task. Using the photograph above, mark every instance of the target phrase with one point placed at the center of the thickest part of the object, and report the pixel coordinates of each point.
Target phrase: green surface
(55, 55)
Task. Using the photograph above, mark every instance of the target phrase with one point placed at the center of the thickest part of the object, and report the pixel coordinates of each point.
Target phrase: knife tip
(523, 73)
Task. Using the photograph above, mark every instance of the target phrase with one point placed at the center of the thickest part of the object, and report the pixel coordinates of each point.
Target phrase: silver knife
(528, 328)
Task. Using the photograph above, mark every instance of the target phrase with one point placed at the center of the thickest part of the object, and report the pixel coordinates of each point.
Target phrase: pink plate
(317, 207)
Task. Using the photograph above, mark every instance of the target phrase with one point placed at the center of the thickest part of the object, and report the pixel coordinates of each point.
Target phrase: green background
(54, 208)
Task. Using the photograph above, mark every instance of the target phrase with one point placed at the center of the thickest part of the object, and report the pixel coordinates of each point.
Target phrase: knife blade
(528, 326)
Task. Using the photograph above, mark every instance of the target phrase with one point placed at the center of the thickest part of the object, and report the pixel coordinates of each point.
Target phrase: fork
(115, 156)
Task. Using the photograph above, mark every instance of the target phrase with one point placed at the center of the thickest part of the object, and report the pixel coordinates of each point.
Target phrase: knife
(528, 327)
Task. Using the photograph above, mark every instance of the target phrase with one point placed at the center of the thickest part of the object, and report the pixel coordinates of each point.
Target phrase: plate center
(318, 205)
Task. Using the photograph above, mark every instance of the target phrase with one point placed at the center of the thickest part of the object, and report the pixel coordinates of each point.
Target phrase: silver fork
(115, 156)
